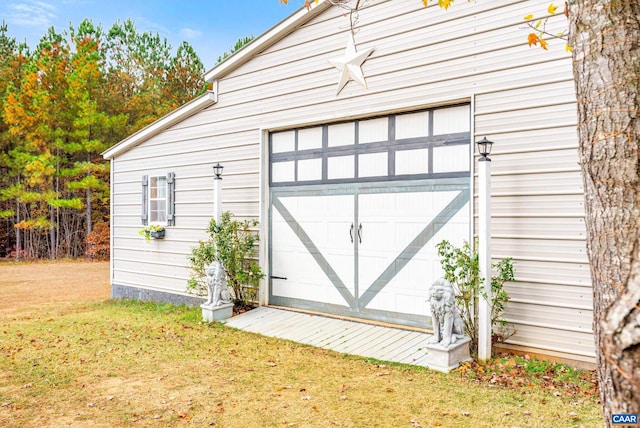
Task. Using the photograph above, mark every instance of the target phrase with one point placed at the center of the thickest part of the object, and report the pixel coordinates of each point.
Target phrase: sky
(211, 27)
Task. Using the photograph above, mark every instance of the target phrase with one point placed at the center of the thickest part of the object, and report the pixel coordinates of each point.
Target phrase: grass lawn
(100, 363)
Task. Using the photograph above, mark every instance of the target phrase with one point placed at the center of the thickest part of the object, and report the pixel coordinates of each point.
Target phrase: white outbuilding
(355, 152)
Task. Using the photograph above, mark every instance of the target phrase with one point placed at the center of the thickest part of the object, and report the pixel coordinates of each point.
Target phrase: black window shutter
(145, 201)
(171, 199)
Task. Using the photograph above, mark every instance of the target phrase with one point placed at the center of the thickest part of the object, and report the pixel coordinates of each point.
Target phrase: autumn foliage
(61, 105)
(98, 242)
(539, 28)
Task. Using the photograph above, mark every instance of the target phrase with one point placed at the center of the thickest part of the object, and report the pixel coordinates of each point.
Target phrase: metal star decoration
(350, 65)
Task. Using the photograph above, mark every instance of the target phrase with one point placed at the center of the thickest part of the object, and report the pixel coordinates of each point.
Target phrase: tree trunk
(52, 233)
(88, 213)
(605, 35)
(88, 209)
(18, 233)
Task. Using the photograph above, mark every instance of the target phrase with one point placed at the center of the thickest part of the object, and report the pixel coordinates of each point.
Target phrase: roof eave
(267, 39)
(161, 124)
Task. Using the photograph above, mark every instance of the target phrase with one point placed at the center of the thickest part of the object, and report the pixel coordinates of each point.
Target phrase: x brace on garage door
(379, 269)
(354, 227)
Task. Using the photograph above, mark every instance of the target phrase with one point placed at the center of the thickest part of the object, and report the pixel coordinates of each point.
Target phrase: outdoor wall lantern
(217, 170)
(484, 148)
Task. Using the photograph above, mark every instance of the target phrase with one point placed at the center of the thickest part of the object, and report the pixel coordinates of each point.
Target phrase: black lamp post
(217, 170)
(484, 148)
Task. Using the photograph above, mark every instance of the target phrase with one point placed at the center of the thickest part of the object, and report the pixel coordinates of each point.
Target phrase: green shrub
(462, 269)
(234, 243)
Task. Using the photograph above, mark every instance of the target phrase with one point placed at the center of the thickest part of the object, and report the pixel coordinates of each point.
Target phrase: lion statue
(217, 291)
(447, 323)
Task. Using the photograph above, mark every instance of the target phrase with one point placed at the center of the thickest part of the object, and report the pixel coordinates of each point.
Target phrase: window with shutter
(171, 199)
(145, 205)
(158, 199)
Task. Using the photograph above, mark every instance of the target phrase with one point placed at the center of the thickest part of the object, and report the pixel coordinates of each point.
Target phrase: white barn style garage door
(357, 209)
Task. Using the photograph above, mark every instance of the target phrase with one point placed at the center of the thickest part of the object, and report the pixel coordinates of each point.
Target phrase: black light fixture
(217, 170)
(484, 148)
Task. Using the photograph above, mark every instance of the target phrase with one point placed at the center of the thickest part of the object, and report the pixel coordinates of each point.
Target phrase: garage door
(358, 207)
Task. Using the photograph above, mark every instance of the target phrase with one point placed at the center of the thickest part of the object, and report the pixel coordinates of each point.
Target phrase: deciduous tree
(12, 58)
(146, 81)
(77, 94)
(184, 78)
(605, 36)
(240, 43)
(36, 114)
(90, 124)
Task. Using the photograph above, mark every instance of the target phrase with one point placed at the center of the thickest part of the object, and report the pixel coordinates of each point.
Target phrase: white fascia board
(267, 39)
(161, 124)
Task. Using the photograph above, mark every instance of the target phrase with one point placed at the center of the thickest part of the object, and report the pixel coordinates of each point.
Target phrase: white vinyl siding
(538, 215)
(186, 149)
(522, 98)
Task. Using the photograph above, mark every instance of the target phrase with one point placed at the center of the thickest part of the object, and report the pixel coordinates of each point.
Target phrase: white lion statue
(217, 291)
(447, 323)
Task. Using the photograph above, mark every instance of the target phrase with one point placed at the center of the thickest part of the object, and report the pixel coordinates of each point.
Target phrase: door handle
(360, 233)
(277, 277)
(351, 233)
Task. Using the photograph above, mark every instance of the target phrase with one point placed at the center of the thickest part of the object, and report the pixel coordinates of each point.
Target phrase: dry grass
(27, 287)
(104, 364)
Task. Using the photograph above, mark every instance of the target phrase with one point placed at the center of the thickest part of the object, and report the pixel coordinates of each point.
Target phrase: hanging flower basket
(152, 231)
(159, 234)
